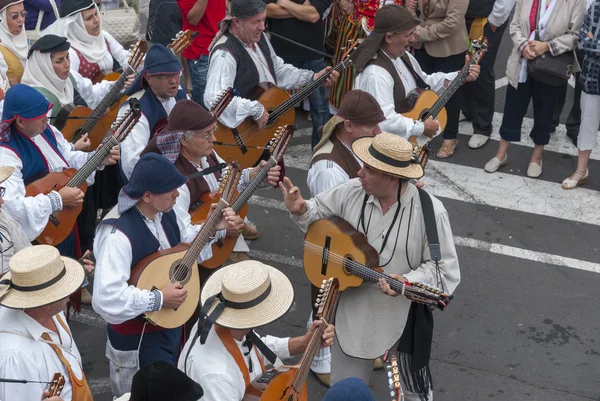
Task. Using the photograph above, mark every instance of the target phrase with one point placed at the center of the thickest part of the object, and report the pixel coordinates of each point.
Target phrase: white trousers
(590, 119)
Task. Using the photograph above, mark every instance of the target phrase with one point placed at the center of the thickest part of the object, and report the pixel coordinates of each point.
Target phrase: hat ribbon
(49, 283)
(388, 160)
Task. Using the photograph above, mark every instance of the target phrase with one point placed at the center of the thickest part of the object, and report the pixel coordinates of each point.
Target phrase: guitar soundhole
(180, 273)
(424, 115)
(347, 259)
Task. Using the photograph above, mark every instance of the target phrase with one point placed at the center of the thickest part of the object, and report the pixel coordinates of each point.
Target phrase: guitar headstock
(478, 49)
(124, 124)
(327, 298)
(182, 40)
(395, 385)
(137, 53)
(229, 183)
(428, 295)
(421, 153)
(347, 56)
(57, 384)
(221, 102)
(281, 139)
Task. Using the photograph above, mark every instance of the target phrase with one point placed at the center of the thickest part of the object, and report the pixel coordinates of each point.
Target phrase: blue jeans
(319, 107)
(198, 71)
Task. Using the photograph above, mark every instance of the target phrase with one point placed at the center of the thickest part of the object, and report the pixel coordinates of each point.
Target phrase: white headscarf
(93, 48)
(15, 43)
(40, 72)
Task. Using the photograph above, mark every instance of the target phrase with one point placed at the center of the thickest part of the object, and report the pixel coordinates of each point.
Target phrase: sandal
(571, 183)
(447, 150)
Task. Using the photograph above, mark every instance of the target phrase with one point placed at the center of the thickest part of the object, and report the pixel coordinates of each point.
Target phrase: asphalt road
(524, 324)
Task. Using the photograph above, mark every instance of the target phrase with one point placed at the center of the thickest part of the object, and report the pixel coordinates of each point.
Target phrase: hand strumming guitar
(294, 201)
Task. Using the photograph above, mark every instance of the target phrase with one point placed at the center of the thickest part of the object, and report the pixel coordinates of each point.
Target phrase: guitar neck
(247, 193)
(305, 92)
(373, 276)
(450, 90)
(113, 94)
(92, 164)
(309, 355)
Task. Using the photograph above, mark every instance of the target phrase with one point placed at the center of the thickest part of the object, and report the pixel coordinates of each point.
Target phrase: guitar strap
(207, 171)
(235, 352)
(431, 231)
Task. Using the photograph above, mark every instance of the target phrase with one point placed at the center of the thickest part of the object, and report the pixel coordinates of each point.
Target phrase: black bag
(551, 70)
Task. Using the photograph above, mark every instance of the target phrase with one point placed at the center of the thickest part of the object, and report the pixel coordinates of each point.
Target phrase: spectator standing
(33, 8)
(199, 17)
(302, 22)
(479, 96)
(164, 21)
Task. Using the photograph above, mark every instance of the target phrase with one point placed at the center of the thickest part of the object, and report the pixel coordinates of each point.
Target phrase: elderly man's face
(360, 130)
(251, 28)
(201, 144)
(396, 43)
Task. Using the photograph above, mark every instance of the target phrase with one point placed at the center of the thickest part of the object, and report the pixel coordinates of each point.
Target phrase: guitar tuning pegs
(393, 394)
(316, 305)
(324, 281)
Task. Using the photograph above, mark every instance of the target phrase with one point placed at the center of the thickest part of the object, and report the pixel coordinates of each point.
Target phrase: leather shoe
(534, 170)
(494, 164)
(324, 378)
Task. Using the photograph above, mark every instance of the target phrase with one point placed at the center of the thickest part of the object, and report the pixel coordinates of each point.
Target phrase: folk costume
(32, 159)
(155, 110)
(13, 49)
(390, 80)
(89, 54)
(240, 296)
(39, 74)
(12, 236)
(368, 322)
(234, 64)
(39, 276)
(123, 238)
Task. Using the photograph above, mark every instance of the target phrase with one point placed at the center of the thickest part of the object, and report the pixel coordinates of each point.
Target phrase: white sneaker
(534, 170)
(478, 140)
(494, 164)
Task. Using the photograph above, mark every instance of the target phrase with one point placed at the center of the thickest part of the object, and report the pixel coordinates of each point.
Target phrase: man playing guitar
(383, 205)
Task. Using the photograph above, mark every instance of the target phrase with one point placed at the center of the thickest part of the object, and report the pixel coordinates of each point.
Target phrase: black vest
(246, 74)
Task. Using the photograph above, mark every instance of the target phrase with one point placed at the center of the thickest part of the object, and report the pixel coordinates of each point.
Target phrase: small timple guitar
(182, 40)
(56, 386)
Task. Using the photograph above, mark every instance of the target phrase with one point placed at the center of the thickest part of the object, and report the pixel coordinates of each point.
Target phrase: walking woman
(558, 23)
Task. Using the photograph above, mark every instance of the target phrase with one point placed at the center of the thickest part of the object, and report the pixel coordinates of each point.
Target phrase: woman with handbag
(589, 44)
(94, 52)
(14, 47)
(544, 34)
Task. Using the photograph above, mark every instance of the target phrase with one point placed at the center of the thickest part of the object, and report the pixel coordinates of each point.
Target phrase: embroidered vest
(383, 61)
(338, 154)
(143, 243)
(34, 162)
(15, 68)
(87, 69)
(246, 74)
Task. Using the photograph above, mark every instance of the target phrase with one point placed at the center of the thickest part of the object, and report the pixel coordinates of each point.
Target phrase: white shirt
(12, 240)
(114, 299)
(379, 83)
(115, 50)
(32, 212)
(90, 92)
(27, 356)
(213, 367)
(138, 138)
(501, 12)
(221, 75)
(326, 174)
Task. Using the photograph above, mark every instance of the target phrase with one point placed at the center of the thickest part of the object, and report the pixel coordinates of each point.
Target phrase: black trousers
(574, 118)
(544, 99)
(429, 65)
(479, 96)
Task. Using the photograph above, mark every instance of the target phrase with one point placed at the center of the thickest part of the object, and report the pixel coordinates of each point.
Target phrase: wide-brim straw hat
(250, 282)
(39, 276)
(5, 172)
(389, 154)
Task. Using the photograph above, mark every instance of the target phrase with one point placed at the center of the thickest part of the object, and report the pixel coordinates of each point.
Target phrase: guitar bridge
(325, 257)
(54, 220)
(239, 141)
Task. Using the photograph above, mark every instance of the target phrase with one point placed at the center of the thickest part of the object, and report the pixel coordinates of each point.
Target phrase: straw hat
(389, 154)
(255, 294)
(39, 276)
(5, 172)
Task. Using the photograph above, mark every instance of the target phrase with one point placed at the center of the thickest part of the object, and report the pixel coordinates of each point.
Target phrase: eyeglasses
(2, 191)
(167, 77)
(207, 135)
(15, 16)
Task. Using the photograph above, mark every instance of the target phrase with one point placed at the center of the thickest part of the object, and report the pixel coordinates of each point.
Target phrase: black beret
(49, 44)
(70, 7)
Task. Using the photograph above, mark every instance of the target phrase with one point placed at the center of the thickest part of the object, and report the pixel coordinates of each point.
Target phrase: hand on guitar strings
(430, 127)
(174, 295)
(129, 82)
(83, 143)
(272, 177)
(385, 287)
(46, 397)
(330, 80)
(71, 197)
(113, 157)
(328, 334)
(235, 228)
(292, 197)
(473, 70)
(88, 265)
(229, 219)
(263, 119)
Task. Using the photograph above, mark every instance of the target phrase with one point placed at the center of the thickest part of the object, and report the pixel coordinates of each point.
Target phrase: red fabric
(134, 326)
(207, 27)
(86, 69)
(533, 16)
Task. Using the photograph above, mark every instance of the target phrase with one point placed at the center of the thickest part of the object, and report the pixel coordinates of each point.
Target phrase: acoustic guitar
(55, 387)
(246, 143)
(222, 248)
(333, 248)
(393, 373)
(96, 123)
(180, 264)
(61, 223)
(425, 103)
(289, 382)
